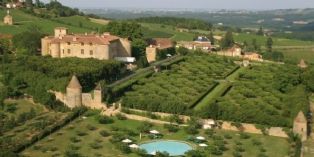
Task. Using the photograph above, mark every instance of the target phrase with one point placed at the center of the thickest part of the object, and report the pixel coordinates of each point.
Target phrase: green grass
(61, 140)
(158, 30)
(23, 21)
(296, 55)
(77, 20)
(24, 105)
(218, 91)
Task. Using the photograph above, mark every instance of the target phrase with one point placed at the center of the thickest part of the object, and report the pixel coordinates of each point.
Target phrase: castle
(155, 45)
(103, 47)
(8, 19)
(75, 98)
(300, 126)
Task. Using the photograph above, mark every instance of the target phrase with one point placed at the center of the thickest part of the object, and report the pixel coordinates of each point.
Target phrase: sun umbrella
(203, 145)
(133, 146)
(200, 138)
(127, 141)
(154, 132)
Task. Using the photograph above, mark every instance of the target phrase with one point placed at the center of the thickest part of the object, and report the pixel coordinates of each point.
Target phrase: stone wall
(151, 53)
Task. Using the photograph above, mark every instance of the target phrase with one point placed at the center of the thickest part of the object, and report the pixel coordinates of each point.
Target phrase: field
(181, 86)
(295, 55)
(23, 21)
(267, 94)
(82, 134)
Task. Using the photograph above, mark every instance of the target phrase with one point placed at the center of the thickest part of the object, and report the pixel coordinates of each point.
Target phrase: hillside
(76, 24)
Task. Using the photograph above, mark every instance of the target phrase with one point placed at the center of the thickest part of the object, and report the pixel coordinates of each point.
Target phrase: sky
(191, 4)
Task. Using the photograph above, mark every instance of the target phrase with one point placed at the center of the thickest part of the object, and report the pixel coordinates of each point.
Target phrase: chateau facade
(102, 47)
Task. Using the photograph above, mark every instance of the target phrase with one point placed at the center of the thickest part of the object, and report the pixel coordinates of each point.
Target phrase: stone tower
(300, 126)
(74, 93)
(98, 94)
(60, 32)
(302, 64)
(8, 19)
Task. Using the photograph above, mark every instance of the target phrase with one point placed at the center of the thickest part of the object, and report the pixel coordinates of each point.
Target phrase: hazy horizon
(191, 4)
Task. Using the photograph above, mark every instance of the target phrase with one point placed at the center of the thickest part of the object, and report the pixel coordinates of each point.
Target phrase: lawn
(295, 55)
(23, 105)
(23, 21)
(59, 142)
(80, 21)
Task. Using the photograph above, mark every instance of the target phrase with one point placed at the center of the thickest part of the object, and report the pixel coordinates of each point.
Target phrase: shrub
(121, 116)
(210, 132)
(90, 127)
(191, 130)
(124, 148)
(227, 136)
(81, 133)
(105, 120)
(244, 136)
(239, 149)
(104, 133)
(171, 128)
(95, 145)
(236, 154)
(75, 139)
(256, 142)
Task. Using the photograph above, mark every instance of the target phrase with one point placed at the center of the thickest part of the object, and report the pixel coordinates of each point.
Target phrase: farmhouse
(201, 43)
(253, 56)
(103, 47)
(155, 45)
(8, 19)
(234, 51)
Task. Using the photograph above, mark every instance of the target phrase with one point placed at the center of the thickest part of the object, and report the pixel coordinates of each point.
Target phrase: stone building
(8, 19)
(302, 64)
(253, 56)
(234, 51)
(300, 126)
(156, 45)
(74, 97)
(201, 43)
(103, 47)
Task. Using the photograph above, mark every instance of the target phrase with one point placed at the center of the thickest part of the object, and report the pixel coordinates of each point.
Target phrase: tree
(130, 30)
(308, 79)
(260, 31)
(211, 38)
(227, 41)
(182, 50)
(28, 42)
(195, 153)
(138, 48)
(269, 44)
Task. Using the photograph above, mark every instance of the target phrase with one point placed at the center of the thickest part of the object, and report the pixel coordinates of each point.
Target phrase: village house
(234, 51)
(17, 4)
(8, 19)
(155, 45)
(102, 47)
(201, 43)
(252, 56)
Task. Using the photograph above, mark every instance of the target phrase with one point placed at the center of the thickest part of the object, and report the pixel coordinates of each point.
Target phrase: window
(69, 51)
(82, 44)
(69, 43)
(82, 51)
(63, 51)
(91, 44)
(91, 52)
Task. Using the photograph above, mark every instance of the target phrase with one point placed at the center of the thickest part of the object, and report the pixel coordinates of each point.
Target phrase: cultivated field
(181, 86)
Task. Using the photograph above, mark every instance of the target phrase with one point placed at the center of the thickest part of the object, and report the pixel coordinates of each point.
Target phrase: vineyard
(179, 88)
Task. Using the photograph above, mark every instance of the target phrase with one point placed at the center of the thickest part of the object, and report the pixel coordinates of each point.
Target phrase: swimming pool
(174, 148)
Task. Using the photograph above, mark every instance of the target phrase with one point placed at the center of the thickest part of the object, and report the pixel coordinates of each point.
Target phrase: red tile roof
(161, 43)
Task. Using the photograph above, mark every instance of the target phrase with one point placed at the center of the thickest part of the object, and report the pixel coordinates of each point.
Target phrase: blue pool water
(174, 148)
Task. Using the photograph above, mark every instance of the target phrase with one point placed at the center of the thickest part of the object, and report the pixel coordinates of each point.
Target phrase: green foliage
(138, 48)
(171, 127)
(28, 42)
(130, 30)
(57, 9)
(177, 22)
(260, 31)
(274, 55)
(183, 51)
(195, 153)
(145, 127)
(227, 41)
(308, 78)
(180, 86)
(104, 119)
(269, 44)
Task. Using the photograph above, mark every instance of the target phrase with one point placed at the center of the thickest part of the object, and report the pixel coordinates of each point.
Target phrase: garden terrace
(267, 94)
(179, 87)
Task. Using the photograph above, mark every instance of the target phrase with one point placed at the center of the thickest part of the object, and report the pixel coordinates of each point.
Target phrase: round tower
(8, 19)
(98, 94)
(74, 93)
(300, 126)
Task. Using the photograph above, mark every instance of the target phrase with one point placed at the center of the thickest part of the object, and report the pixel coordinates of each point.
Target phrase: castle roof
(104, 39)
(74, 83)
(300, 118)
